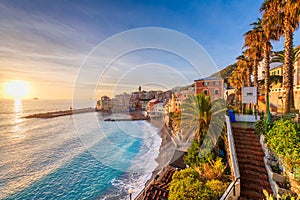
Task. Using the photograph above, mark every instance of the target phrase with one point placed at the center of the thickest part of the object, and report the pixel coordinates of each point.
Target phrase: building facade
(210, 86)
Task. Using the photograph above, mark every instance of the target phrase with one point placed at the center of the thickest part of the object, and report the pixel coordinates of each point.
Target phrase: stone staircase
(254, 177)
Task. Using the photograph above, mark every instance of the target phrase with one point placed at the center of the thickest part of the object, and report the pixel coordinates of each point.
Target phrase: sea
(72, 157)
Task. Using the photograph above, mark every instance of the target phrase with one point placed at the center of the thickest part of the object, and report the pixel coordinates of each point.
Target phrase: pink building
(211, 86)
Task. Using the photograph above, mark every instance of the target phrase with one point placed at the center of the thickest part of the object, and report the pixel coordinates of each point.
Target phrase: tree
(279, 56)
(245, 62)
(196, 115)
(238, 79)
(284, 15)
(253, 50)
(176, 119)
(265, 34)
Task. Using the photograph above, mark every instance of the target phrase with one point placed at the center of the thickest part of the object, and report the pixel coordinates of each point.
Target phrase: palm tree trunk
(288, 69)
(267, 74)
(255, 73)
(248, 76)
(255, 82)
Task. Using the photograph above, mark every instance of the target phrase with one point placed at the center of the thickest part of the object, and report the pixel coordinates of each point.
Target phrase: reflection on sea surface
(17, 119)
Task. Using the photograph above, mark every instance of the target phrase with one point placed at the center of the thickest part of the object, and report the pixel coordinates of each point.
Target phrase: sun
(16, 89)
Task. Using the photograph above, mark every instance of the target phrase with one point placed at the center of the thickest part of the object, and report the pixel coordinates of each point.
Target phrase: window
(205, 83)
(205, 92)
(216, 92)
(216, 82)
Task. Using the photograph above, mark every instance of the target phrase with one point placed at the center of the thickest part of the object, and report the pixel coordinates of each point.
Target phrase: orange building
(211, 86)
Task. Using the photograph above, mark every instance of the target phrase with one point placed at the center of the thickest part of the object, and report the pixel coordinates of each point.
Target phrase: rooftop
(210, 78)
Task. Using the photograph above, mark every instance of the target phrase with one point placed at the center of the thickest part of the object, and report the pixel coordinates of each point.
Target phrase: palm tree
(196, 115)
(244, 62)
(265, 34)
(238, 80)
(284, 15)
(176, 119)
(216, 126)
(279, 56)
(253, 50)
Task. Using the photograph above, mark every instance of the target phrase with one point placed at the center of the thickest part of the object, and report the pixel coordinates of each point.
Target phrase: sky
(87, 48)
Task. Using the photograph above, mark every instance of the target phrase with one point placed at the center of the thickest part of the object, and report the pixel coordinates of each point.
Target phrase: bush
(212, 169)
(249, 112)
(284, 140)
(260, 126)
(285, 197)
(217, 187)
(192, 158)
(234, 108)
(186, 185)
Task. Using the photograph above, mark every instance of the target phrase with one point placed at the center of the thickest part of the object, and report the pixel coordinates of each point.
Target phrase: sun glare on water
(16, 89)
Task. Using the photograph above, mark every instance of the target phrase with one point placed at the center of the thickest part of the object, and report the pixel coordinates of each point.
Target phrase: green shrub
(212, 169)
(186, 185)
(217, 188)
(234, 108)
(260, 126)
(285, 197)
(284, 140)
(192, 158)
(249, 112)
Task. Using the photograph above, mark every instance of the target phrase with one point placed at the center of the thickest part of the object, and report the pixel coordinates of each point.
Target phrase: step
(245, 135)
(248, 148)
(246, 151)
(256, 187)
(242, 128)
(250, 162)
(261, 169)
(242, 156)
(249, 137)
(256, 180)
(246, 142)
(252, 194)
(247, 172)
(239, 131)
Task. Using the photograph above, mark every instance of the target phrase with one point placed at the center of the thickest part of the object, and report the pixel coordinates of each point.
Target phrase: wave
(144, 163)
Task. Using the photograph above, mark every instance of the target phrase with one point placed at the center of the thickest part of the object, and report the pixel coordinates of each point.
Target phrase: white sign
(249, 95)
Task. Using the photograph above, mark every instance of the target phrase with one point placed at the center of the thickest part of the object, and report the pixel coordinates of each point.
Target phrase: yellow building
(277, 71)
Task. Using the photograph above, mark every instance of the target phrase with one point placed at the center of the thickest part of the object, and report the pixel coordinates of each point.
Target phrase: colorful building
(211, 86)
(104, 104)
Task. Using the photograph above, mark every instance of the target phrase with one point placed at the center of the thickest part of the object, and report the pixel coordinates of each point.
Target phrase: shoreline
(163, 156)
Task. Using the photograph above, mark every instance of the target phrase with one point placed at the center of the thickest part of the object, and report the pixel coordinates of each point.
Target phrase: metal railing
(230, 188)
(234, 164)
